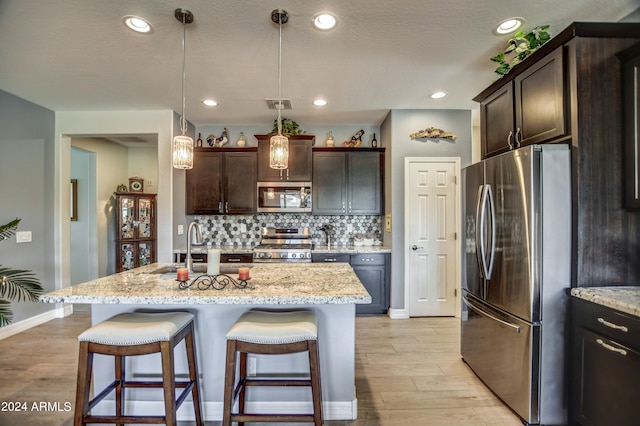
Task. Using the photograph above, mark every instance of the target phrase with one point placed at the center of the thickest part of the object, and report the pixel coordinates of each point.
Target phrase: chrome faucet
(328, 230)
(188, 261)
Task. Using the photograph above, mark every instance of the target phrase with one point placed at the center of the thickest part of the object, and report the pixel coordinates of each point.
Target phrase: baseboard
(331, 410)
(59, 312)
(398, 313)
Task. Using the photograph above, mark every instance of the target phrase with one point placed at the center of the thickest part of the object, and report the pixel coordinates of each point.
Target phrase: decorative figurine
(356, 140)
(241, 142)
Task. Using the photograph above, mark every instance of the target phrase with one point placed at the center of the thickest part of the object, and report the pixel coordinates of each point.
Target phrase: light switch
(23, 237)
(388, 222)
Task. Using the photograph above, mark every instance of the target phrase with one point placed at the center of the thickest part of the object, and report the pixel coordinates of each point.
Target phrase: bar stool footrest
(151, 420)
(303, 418)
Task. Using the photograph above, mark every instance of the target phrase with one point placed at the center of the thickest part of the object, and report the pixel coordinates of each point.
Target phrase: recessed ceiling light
(324, 21)
(320, 102)
(210, 102)
(508, 26)
(137, 24)
(438, 95)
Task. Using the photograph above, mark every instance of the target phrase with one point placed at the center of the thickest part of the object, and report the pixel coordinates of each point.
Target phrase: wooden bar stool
(271, 333)
(137, 334)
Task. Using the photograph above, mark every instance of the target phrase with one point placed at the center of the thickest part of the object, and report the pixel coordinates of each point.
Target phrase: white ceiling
(71, 55)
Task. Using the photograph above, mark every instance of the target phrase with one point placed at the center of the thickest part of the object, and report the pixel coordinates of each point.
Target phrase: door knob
(415, 247)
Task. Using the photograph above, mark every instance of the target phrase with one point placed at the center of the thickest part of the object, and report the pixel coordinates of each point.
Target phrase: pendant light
(183, 145)
(279, 144)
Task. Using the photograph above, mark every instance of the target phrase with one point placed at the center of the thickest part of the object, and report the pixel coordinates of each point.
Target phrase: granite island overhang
(330, 290)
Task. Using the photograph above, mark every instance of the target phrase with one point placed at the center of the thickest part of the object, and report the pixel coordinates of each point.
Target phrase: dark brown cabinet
(526, 110)
(300, 160)
(348, 181)
(571, 91)
(136, 230)
(222, 181)
(631, 58)
(605, 365)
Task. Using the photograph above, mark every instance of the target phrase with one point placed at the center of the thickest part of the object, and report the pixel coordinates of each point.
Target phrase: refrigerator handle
(493, 230)
(478, 310)
(480, 256)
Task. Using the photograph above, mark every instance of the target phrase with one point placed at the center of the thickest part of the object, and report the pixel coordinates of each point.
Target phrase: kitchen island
(330, 290)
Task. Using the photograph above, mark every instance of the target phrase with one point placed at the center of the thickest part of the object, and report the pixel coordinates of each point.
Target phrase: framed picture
(74, 200)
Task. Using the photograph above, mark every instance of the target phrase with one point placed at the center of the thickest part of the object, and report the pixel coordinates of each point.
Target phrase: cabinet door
(364, 183)
(605, 381)
(540, 101)
(496, 124)
(329, 183)
(266, 173)
(372, 278)
(240, 179)
(127, 220)
(300, 161)
(632, 132)
(146, 217)
(204, 184)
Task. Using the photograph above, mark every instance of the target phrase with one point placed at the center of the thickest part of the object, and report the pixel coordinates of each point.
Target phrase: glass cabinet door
(145, 255)
(127, 256)
(145, 212)
(127, 218)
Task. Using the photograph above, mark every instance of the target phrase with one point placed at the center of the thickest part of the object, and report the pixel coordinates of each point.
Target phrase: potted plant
(522, 44)
(17, 284)
(289, 127)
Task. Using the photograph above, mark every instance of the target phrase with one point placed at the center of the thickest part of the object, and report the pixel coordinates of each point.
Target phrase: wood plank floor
(408, 372)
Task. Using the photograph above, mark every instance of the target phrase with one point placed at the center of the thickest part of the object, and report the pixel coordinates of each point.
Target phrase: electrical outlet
(252, 368)
(23, 237)
(349, 227)
(243, 227)
(388, 222)
(148, 183)
(180, 229)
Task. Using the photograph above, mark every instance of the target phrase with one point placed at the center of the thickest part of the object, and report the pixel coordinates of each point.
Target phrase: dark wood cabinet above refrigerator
(571, 91)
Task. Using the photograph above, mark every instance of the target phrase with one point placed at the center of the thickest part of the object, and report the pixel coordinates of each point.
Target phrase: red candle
(182, 274)
(243, 273)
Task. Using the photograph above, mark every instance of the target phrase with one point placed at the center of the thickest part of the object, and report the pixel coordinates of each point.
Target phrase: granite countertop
(350, 249)
(270, 284)
(624, 299)
(316, 249)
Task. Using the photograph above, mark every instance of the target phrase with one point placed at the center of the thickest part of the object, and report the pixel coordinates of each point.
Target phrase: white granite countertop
(317, 248)
(624, 299)
(350, 249)
(270, 284)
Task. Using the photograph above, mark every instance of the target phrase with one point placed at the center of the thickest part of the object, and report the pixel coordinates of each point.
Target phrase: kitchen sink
(198, 268)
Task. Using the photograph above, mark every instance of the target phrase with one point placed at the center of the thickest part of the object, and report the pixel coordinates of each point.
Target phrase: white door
(431, 223)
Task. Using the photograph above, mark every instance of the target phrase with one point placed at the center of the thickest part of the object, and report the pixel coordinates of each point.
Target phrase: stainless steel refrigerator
(517, 213)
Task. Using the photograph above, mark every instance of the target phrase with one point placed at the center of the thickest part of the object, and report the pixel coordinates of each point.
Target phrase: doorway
(432, 223)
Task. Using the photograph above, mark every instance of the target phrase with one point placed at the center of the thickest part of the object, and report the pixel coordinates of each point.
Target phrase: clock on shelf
(136, 184)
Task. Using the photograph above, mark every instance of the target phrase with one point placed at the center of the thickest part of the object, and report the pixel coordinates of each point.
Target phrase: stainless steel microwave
(284, 197)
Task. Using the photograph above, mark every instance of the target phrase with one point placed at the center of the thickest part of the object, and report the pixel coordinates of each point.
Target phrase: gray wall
(27, 181)
(396, 129)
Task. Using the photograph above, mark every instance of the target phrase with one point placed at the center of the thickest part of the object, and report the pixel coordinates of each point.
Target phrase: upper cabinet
(631, 96)
(222, 181)
(348, 181)
(300, 160)
(526, 110)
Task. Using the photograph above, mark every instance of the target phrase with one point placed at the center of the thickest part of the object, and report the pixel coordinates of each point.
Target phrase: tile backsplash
(226, 229)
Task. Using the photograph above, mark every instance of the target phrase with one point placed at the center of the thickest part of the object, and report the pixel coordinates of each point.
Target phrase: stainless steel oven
(284, 197)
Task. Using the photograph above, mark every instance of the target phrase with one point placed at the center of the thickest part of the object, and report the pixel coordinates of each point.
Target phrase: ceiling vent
(273, 103)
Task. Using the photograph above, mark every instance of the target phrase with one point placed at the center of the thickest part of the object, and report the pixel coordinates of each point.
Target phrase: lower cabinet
(373, 269)
(224, 257)
(605, 366)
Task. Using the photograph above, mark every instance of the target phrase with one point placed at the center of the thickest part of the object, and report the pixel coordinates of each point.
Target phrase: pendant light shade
(279, 144)
(183, 145)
